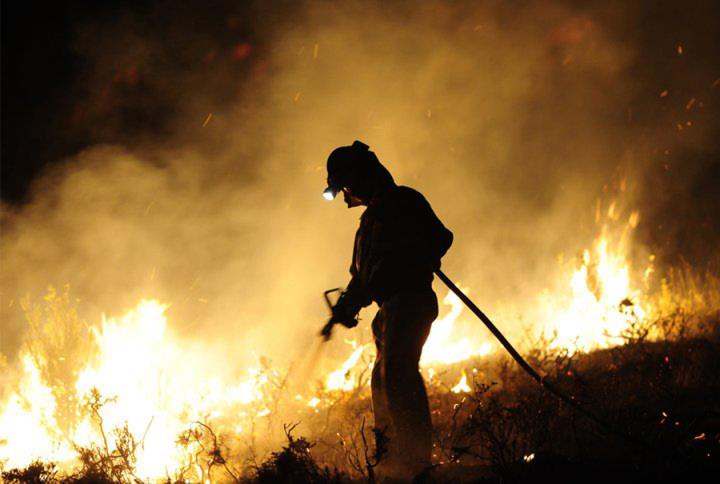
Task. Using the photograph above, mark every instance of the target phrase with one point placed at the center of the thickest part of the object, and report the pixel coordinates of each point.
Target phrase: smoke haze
(210, 128)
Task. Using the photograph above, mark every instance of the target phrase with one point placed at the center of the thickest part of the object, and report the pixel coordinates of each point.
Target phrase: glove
(344, 317)
(342, 314)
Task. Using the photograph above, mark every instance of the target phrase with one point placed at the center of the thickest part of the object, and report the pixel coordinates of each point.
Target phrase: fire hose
(534, 374)
(513, 352)
(524, 365)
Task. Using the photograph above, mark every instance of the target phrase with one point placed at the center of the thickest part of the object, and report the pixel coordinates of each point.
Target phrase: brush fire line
(139, 375)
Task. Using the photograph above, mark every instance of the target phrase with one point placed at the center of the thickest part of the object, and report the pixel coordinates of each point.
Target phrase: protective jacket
(397, 247)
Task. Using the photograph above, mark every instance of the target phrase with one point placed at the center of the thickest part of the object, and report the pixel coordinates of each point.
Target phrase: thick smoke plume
(213, 124)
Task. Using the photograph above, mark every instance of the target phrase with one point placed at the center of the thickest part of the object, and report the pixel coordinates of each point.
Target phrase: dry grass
(660, 387)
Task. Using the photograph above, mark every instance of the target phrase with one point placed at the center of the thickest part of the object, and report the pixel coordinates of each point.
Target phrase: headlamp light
(329, 193)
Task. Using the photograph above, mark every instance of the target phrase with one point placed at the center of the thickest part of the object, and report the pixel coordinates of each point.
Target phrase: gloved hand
(344, 316)
(341, 314)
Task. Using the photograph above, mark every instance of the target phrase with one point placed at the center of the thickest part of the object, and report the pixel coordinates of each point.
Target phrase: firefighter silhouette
(397, 247)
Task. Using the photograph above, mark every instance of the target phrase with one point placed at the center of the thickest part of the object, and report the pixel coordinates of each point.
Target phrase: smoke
(212, 127)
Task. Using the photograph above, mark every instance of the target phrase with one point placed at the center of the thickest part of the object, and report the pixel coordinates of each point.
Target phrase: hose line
(531, 371)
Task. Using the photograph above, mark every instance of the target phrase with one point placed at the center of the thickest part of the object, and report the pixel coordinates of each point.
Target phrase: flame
(446, 345)
(603, 302)
(341, 379)
(27, 422)
(147, 381)
(157, 387)
(462, 385)
(136, 364)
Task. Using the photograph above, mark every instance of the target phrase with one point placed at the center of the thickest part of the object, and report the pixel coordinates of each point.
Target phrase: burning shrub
(132, 402)
(59, 344)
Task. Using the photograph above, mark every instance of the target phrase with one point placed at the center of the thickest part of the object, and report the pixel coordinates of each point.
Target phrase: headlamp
(329, 193)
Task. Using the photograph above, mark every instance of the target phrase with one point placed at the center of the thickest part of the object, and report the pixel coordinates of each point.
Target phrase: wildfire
(341, 379)
(602, 301)
(28, 422)
(447, 346)
(142, 378)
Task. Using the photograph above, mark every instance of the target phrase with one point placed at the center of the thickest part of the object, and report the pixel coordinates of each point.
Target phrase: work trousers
(400, 402)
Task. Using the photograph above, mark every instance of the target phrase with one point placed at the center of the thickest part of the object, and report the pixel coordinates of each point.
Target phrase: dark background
(55, 101)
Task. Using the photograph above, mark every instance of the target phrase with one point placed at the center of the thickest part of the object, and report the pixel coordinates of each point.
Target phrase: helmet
(357, 168)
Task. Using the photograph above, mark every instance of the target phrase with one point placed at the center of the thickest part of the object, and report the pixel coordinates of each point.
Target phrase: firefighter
(397, 247)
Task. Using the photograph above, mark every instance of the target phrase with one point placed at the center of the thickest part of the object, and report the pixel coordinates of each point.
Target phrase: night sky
(57, 100)
(37, 69)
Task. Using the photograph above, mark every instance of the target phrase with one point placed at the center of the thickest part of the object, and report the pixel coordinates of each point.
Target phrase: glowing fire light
(341, 379)
(150, 382)
(603, 301)
(462, 385)
(444, 345)
(27, 422)
(147, 382)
